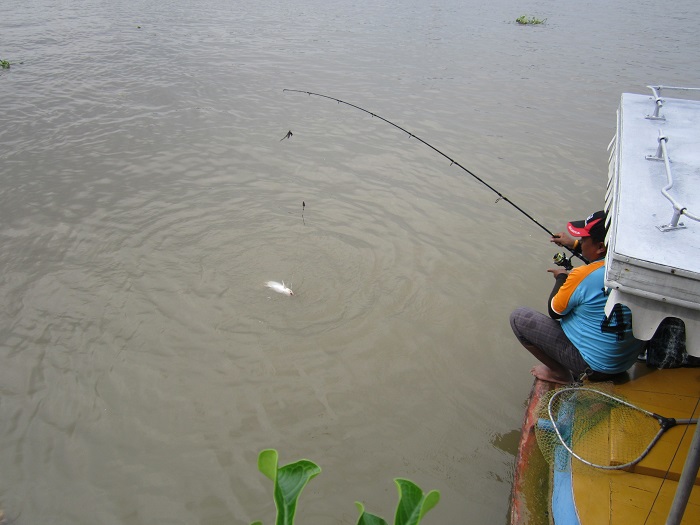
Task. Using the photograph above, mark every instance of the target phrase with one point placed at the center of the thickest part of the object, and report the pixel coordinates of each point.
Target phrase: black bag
(666, 349)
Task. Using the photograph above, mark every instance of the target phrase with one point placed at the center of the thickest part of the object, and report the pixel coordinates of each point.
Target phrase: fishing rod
(482, 181)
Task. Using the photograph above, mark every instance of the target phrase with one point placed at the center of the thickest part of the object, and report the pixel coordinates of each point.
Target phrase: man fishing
(577, 339)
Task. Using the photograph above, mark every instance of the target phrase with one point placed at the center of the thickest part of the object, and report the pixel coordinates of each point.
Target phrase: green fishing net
(594, 426)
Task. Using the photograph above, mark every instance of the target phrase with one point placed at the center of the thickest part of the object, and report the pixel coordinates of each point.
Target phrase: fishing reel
(560, 259)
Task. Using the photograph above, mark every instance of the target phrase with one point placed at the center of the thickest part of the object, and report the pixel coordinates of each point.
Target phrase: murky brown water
(146, 197)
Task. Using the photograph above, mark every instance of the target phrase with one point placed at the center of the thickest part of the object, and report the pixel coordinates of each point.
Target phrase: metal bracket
(671, 227)
(674, 224)
(655, 115)
(658, 101)
(659, 150)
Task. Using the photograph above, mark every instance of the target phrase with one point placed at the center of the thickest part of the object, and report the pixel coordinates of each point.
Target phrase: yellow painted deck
(644, 495)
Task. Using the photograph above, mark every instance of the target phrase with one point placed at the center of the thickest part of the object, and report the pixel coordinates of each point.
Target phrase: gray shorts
(537, 329)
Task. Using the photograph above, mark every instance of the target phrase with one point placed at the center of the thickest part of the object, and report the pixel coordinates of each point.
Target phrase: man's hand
(558, 271)
(563, 239)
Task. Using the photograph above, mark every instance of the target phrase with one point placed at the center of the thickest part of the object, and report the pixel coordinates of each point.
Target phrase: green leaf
(366, 518)
(256, 523)
(267, 463)
(413, 504)
(289, 481)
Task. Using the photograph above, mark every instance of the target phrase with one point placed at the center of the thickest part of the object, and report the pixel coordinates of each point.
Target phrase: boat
(652, 201)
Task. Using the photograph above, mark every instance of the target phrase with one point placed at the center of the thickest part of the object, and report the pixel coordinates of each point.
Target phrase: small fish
(288, 135)
(279, 288)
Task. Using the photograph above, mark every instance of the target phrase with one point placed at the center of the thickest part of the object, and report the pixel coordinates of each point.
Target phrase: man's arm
(560, 276)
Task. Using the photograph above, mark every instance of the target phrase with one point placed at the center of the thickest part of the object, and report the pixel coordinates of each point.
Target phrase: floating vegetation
(5, 64)
(291, 479)
(525, 21)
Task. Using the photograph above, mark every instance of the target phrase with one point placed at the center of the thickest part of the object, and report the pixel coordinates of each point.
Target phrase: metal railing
(678, 208)
(659, 102)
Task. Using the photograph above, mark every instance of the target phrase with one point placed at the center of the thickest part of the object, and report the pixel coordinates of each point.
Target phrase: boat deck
(643, 495)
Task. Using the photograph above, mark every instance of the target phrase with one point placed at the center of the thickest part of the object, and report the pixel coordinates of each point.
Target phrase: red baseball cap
(593, 226)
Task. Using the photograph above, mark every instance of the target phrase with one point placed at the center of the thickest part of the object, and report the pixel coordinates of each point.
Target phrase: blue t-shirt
(606, 344)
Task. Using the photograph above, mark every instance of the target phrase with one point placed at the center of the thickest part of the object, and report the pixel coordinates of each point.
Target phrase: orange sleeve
(560, 302)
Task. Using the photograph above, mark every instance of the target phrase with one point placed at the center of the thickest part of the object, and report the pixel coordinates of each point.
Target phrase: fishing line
(452, 161)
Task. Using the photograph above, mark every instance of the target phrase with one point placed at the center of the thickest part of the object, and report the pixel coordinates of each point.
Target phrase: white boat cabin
(653, 205)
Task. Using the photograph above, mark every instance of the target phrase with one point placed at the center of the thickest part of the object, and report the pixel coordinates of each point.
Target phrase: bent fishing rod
(452, 161)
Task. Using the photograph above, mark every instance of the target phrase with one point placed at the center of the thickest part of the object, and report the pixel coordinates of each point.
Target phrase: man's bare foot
(545, 373)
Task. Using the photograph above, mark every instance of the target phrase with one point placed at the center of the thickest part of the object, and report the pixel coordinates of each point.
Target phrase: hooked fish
(279, 287)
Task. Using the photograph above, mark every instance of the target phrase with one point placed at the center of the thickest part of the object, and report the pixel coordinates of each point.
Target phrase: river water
(147, 195)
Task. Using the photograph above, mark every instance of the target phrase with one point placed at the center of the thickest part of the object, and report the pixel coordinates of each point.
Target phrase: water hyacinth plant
(291, 479)
(524, 20)
(5, 64)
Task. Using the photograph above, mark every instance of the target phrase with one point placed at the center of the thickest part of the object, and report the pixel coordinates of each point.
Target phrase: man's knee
(519, 319)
